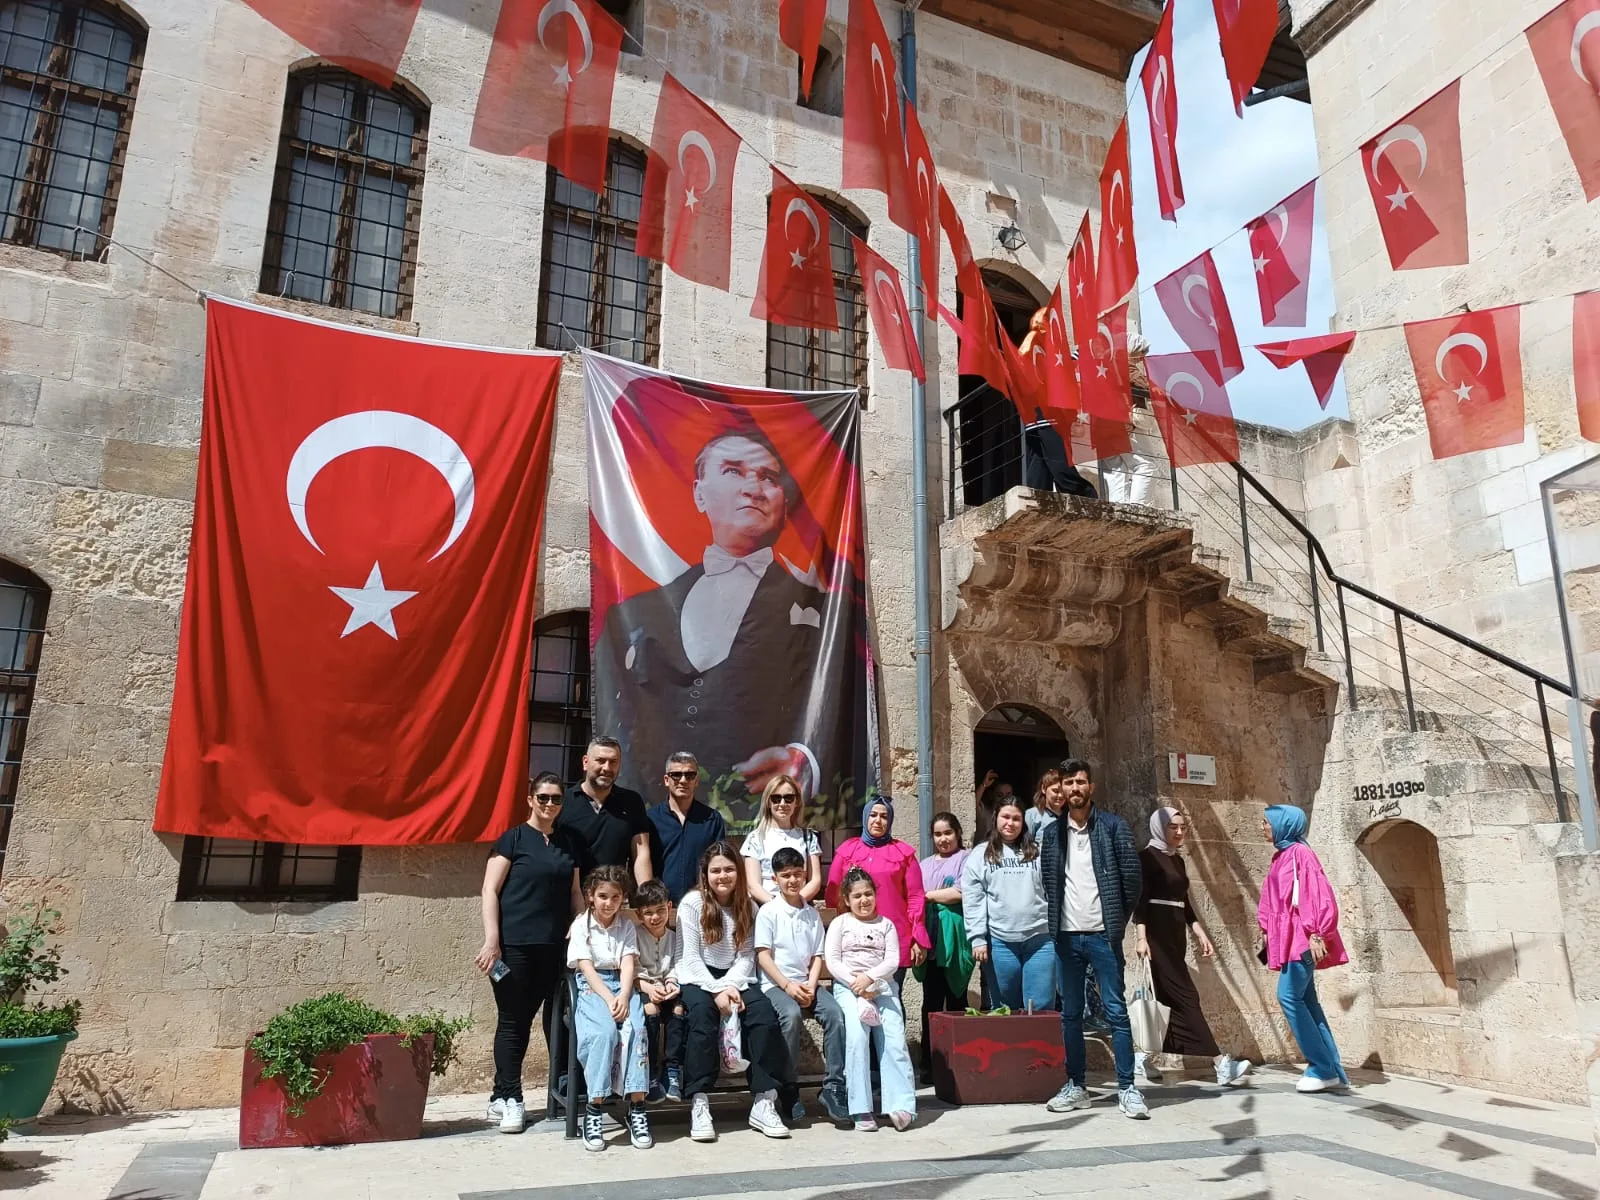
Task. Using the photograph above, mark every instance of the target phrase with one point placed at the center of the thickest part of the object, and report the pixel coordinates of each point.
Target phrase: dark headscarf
(866, 811)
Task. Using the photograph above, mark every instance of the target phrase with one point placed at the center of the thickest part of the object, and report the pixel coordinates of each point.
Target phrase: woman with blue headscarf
(1300, 918)
(894, 869)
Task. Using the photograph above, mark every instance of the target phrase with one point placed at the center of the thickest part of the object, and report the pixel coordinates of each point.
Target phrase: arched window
(24, 601)
(827, 80)
(595, 291)
(347, 196)
(558, 706)
(68, 73)
(818, 359)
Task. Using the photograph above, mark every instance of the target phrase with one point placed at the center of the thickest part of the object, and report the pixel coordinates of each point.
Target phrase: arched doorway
(1404, 897)
(1018, 743)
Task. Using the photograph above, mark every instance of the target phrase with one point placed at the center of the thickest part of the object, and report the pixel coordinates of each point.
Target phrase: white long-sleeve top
(698, 955)
(855, 947)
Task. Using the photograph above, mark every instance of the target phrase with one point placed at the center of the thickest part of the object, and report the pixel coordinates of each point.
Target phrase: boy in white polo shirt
(789, 952)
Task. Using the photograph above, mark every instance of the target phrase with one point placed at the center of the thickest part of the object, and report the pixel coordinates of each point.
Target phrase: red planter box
(997, 1060)
(375, 1093)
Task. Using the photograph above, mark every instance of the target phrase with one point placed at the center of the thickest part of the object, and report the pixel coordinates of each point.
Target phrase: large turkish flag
(1469, 373)
(1418, 183)
(353, 658)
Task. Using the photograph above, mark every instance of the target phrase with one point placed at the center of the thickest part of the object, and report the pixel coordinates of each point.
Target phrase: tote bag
(1148, 1016)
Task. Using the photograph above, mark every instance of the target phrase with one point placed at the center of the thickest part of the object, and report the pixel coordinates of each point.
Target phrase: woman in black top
(530, 895)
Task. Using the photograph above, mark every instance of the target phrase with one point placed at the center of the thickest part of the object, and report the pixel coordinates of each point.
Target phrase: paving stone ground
(1387, 1137)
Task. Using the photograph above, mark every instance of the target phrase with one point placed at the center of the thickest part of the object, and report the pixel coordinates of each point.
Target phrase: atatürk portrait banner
(728, 596)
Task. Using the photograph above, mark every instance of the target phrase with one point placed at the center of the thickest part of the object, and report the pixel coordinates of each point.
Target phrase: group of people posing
(693, 958)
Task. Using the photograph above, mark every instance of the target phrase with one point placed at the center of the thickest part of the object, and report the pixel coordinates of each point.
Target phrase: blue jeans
(791, 1021)
(1297, 994)
(601, 1039)
(895, 1078)
(1076, 952)
(1022, 973)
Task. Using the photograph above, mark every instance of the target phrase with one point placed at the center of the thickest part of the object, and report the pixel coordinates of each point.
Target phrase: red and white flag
(1161, 98)
(547, 87)
(955, 233)
(1469, 371)
(922, 182)
(357, 622)
(1192, 409)
(1052, 359)
(981, 352)
(1280, 252)
(1418, 184)
(800, 25)
(1081, 294)
(686, 217)
(1118, 266)
(1103, 372)
(1246, 29)
(365, 36)
(874, 146)
(1194, 302)
(886, 304)
(796, 282)
(1323, 357)
(1586, 362)
(1569, 64)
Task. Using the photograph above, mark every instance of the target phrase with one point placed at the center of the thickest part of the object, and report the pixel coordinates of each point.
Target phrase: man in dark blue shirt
(681, 827)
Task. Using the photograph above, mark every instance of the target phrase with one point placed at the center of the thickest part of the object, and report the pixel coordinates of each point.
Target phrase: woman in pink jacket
(894, 868)
(1300, 917)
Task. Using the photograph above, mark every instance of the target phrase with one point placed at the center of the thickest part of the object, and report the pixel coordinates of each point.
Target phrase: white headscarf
(1160, 821)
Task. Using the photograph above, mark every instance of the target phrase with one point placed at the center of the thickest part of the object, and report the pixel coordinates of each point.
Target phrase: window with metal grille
(229, 869)
(24, 601)
(819, 359)
(68, 73)
(595, 291)
(558, 706)
(347, 196)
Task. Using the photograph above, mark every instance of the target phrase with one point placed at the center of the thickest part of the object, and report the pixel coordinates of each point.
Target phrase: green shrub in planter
(33, 1037)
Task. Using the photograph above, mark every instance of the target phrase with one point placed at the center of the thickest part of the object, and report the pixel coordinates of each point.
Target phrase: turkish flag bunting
(546, 92)
(357, 622)
(1469, 371)
(923, 185)
(1118, 265)
(800, 25)
(1081, 287)
(955, 233)
(367, 36)
(1103, 372)
(874, 146)
(1280, 252)
(1561, 47)
(1194, 302)
(686, 217)
(886, 304)
(1052, 359)
(1161, 98)
(1418, 185)
(981, 336)
(1192, 409)
(1246, 29)
(796, 282)
(1586, 362)
(1323, 357)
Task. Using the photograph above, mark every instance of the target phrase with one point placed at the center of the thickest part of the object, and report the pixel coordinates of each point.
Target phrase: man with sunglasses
(681, 827)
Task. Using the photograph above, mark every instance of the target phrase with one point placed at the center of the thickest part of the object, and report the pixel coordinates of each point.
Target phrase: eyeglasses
(547, 801)
(681, 775)
(785, 798)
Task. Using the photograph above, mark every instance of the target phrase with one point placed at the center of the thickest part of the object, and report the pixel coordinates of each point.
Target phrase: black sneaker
(675, 1084)
(835, 1106)
(594, 1129)
(639, 1128)
(657, 1092)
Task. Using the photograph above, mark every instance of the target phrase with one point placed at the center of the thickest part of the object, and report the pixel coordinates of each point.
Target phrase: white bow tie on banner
(719, 562)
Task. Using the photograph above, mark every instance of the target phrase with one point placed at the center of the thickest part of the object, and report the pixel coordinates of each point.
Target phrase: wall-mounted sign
(1192, 768)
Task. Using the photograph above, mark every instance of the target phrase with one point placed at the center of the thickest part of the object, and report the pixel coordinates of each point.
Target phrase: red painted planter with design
(997, 1060)
(375, 1092)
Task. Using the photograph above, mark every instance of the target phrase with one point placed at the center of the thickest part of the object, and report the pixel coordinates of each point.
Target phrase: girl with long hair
(948, 970)
(1007, 919)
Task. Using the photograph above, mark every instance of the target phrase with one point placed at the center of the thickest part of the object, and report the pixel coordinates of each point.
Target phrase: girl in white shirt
(717, 972)
(862, 951)
(603, 949)
(780, 822)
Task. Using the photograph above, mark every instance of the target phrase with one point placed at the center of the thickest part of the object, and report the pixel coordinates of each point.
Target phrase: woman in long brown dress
(1162, 921)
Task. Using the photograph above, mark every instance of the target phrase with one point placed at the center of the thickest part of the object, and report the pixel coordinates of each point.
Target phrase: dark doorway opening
(1019, 743)
(984, 424)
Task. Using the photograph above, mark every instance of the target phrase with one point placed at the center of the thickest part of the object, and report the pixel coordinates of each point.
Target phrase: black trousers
(1046, 467)
(770, 1068)
(536, 972)
(665, 1032)
(936, 997)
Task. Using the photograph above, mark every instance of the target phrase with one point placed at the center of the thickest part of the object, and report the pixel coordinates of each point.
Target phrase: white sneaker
(512, 1117)
(1231, 1071)
(1131, 1104)
(1310, 1083)
(497, 1109)
(1144, 1067)
(764, 1117)
(1070, 1096)
(700, 1127)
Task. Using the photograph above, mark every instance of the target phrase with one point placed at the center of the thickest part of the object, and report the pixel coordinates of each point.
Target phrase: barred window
(24, 601)
(68, 74)
(595, 291)
(558, 707)
(229, 869)
(347, 196)
(819, 359)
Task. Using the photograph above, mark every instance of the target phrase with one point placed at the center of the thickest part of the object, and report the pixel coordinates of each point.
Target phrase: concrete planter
(375, 1092)
(33, 1064)
(1016, 1059)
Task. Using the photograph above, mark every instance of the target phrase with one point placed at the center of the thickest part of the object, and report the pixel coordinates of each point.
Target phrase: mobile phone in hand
(498, 971)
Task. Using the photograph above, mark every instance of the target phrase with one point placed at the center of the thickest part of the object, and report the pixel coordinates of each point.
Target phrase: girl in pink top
(1300, 918)
(893, 866)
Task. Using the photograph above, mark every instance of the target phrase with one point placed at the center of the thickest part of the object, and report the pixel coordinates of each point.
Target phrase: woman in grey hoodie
(1002, 900)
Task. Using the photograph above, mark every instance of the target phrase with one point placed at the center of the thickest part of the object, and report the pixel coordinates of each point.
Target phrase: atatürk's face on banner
(740, 489)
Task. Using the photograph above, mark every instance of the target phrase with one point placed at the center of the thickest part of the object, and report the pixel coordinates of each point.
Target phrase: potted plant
(33, 1037)
(997, 1057)
(333, 1070)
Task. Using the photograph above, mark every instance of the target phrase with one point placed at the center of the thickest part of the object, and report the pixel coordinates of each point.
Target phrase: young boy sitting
(789, 952)
(659, 949)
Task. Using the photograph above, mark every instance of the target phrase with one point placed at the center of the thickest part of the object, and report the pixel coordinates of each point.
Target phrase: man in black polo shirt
(611, 820)
(682, 827)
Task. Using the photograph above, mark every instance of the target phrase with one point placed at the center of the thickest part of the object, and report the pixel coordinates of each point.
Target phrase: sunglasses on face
(785, 798)
(680, 775)
(547, 801)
